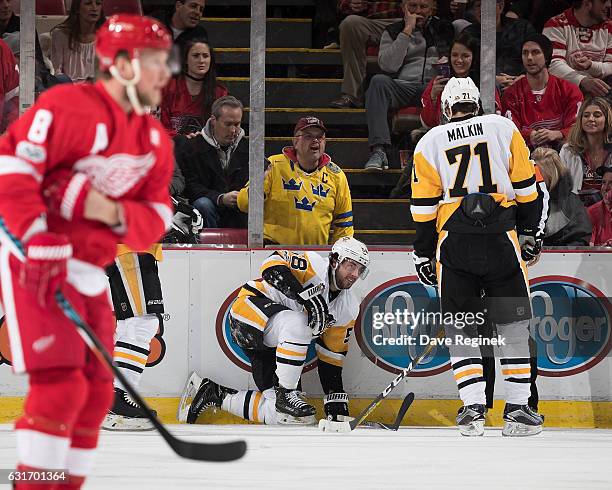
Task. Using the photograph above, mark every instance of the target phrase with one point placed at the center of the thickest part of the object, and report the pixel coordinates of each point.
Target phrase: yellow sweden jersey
(484, 154)
(303, 208)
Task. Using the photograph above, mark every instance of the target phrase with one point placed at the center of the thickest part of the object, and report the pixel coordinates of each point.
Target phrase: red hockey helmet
(130, 33)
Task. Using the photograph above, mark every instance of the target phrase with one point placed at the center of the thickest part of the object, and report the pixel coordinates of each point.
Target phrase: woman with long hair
(589, 145)
(188, 98)
(73, 41)
(464, 62)
(568, 223)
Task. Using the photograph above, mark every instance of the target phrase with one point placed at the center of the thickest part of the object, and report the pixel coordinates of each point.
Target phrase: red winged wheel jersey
(127, 157)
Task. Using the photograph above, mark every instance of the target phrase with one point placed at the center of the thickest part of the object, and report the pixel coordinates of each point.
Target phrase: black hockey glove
(316, 307)
(336, 406)
(531, 248)
(425, 269)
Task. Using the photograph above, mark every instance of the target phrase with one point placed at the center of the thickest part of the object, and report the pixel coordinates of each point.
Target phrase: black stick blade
(202, 451)
(402, 411)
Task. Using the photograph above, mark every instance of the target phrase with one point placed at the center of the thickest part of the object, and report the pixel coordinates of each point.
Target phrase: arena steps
(234, 32)
(301, 92)
(346, 152)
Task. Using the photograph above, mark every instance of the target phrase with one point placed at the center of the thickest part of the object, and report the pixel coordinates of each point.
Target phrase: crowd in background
(553, 79)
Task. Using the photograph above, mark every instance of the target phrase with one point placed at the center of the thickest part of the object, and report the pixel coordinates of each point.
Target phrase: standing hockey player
(80, 172)
(474, 190)
(301, 297)
(139, 305)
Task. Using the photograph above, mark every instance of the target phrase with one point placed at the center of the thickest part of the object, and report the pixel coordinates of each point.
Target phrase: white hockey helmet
(458, 90)
(351, 248)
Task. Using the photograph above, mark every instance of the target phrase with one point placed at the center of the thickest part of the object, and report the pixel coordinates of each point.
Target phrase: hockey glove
(44, 270)
(425, 269)
(531, 248)
(336, 406)
(65, 194)
(316, 307)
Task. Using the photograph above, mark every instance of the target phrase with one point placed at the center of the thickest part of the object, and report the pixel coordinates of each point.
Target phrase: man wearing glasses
(307, 200)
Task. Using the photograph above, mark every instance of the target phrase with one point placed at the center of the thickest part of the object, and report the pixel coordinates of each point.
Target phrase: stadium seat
(224, 236)
(122, 6)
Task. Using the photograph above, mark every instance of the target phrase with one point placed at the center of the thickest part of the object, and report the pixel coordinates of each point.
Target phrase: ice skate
(209, 395)
(187, 396)
(126, 414)
(471, 420)
(292, 408)
(521, 421)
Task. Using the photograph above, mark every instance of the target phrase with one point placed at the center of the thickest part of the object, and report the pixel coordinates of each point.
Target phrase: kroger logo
(387, 345)
(232, 350)
(570, 324)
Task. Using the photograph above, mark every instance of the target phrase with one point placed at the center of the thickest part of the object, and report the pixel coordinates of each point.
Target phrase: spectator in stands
(601, 212)
(408, 49)
(307, 200)
(186, 15)
(73, 41)
(215, 164)
(364, 23)
(511, 33)
(464, 62)
(9, 24)
(188, 98)
(582, 39)
(568, 223)
(542, 106)
(9, 80)
(589, 145)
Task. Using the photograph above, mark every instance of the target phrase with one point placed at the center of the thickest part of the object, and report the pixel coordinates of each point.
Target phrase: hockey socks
(515, 365)
(133, 337)
(256, 406)
(290, 357)
(470, 381)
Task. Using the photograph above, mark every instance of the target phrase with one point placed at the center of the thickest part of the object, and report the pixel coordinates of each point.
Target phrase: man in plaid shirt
(364, 23)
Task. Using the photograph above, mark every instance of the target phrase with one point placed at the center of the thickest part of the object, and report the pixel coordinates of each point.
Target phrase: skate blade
(284, 419)
(473, 429)
(189, 391)
(516, 429)
(115, 422)
(333, 426)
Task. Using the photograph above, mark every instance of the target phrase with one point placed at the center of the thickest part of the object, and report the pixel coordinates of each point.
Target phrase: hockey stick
(405, 372)
(201, 451)
(398, 419)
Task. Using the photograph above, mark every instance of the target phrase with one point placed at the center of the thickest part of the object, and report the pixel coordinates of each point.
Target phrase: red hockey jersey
(556, 109)
(125, 156)
(180, 113)
(9, 80)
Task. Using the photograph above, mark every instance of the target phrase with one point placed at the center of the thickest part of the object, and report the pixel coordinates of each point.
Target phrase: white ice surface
(289, 458)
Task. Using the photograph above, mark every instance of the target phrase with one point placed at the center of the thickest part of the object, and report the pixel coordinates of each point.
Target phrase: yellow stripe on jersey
(298, 264)
(426, 190)
(522, 170)
(245, 311)
(336, 338)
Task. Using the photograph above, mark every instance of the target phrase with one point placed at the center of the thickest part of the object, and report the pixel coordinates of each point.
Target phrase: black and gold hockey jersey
(258, 300)
(483, 154)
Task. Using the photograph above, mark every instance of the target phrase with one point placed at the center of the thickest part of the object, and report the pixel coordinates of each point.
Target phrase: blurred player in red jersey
(83, 170)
